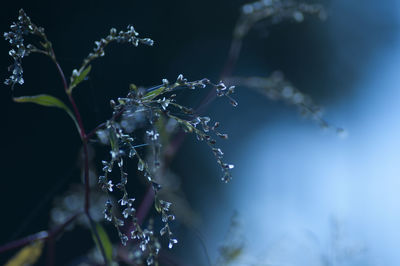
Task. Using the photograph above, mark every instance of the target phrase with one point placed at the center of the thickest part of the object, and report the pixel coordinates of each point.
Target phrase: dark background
(40, 146)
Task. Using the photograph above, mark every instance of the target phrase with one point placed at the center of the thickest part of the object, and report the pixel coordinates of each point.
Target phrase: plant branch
(145, 205)
(96, 235)
(176, 143)
(43, 235)
(84, 139)
(50, 251)
(103, 125)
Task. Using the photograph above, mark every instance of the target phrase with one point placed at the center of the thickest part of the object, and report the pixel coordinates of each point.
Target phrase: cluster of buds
(152, 104)
(19, 49)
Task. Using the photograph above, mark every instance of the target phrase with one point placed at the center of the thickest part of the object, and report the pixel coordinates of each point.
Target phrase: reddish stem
(43, 235)
(82, 135)
(84, 139)
(50, 251)
(145, 205)
(176, 143)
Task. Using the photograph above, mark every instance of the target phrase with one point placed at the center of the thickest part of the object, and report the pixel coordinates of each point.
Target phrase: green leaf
(48, 101)
(105, 241)
(157, 204)
(113, 140)
(75, 80)
(42, 99)
(154, 93)
(28, 255)
(133, 87)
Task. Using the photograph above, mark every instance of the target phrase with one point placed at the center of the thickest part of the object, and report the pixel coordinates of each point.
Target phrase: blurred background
(300, 195)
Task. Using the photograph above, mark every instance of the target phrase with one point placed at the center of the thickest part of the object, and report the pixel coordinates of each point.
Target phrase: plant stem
(84, 139)
(82, 133)
(86, 173)
(145, 205)
(50, 251)
(43, 235)
(176, 143)
(96, 234)
(103, 125)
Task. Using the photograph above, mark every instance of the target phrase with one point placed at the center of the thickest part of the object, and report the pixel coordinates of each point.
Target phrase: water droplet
(163, 230)
(150, 260)
(140, 165)
(119, 222)
(124, 239)
(132, 153)
(228, 166)
(218, 152)
(180, 79)
(172, 242)
(233, 102)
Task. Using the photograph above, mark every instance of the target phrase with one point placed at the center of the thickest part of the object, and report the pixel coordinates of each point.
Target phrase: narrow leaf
(49, 101)
(157, 204)
(113, 141)
(28, 255)
(82, 74)
(133, 87)
(42, 99)
(154, 93)
(105, 241)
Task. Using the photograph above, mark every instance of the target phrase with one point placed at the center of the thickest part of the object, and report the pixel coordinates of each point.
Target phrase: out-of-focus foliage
(27, 255)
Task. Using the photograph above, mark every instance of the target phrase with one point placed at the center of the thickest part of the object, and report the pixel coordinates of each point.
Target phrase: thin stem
(103, 125)
(50, 251)
(43, 235)
(85, 154)
(61, 72)
(96, 235)
(176, 143)
(71, 99)
(82, 133)
(86, 173)
(145, 205)
(233, 56)
(91, 133)
(203, 245)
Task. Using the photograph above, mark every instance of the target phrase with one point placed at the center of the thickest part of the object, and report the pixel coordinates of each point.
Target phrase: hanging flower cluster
(141, 109)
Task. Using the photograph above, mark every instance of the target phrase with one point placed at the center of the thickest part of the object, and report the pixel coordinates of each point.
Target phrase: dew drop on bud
(140, 165)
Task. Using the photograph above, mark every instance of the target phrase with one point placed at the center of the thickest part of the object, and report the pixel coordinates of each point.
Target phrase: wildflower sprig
(141, 110)
(119, 141)
(128, 36)
(19, 49)
(277, 87)
(146, 112)
(275, 11)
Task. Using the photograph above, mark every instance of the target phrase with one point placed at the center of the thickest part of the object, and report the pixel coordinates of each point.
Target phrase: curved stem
(82, 133)
(71, 100)
(233, 56)
(84, 139)
(176, 143)
(145, 205)
(104, 124)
